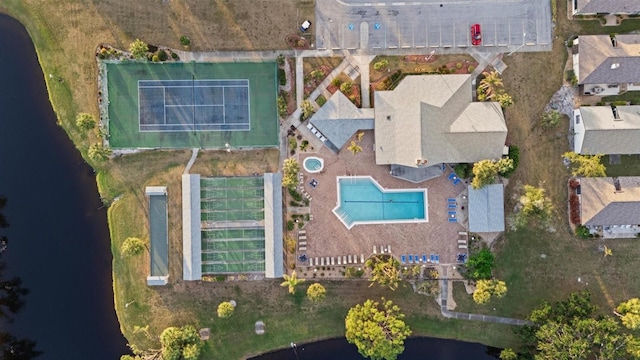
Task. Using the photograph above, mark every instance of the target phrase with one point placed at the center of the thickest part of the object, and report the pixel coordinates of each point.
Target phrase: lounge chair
(451, 200)
(424, 258)
(302, 232)
(302, 243)
(462, 246)
(452, 176)
(302, 248)
(310, 261)
(322, 261)
(463, 233)
(317, 262)
(452, 213)
(410, 259)
(432, 258)
(375, 251)
(456, 181)
(344, 259)
(452, 206)
(333, 260)
(417, 258)
(327, 260)
(462, 242)
(389, 249)
(339, 260)
(437, 259)
(403, 259)
(453, 220)
(303, 237)
(361, 258)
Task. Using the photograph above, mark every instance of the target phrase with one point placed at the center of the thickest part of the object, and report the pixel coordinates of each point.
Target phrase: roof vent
(615, 66)
(616, 183)
(389, 117)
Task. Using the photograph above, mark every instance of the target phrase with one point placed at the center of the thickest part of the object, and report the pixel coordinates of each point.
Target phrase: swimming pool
(313, 164)
(361, 200)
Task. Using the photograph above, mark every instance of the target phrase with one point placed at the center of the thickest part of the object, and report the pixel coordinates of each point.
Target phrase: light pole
(518, 48)
(129, 303)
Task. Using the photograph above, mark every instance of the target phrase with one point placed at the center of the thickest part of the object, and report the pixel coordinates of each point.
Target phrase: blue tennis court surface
(362, 201)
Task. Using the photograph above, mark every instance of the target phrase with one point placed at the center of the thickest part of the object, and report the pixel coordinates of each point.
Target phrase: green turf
(123, 105)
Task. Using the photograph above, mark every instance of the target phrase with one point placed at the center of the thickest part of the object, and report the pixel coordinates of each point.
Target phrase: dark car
(476, 35)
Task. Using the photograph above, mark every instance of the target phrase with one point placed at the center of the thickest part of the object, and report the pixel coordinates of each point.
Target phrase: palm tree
(291, 281)
(354, 147)
(491, 83)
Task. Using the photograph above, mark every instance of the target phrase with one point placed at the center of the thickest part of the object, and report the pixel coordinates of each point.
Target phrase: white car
(305, 26)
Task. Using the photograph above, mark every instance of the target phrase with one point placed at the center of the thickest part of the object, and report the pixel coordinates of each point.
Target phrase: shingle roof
(607, 7)
(601, 63)
(433, 118)
(338, 119)
(602, 205)
(605, 135)
(486, 208)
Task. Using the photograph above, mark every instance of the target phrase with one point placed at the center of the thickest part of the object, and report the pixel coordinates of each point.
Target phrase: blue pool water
(363, 201)
(312, 164)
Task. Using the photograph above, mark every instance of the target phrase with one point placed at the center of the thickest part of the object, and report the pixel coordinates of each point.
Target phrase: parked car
(476, 35)
(305, 26)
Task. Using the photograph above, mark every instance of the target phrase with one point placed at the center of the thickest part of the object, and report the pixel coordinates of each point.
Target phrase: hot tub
(313, 164)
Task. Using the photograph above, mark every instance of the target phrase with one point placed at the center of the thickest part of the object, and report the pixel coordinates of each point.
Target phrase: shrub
(295, 194)
(303, 145)
(280, 60)
(380, 65)
(155, 58)
(346, 87)
(458, 66)
(162, 55)
(600, 103)
(514, 154)
(317, 74)
(321, 100)
(175, 56)
(471, 68)
(225, 309)
(85, 121)
(618, 103)
(574, 207)
(290, 244)
(185, 41)
(336, 82)
(283, 110)
(293, 143)
(583, 232)
(290, 225)
(463, 171)
(574, 183)
(282, 77)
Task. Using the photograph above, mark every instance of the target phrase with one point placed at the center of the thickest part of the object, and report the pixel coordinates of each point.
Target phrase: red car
(476, 35)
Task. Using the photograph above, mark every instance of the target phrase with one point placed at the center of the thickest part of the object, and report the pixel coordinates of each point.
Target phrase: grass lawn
(629, 166)
(632, 97)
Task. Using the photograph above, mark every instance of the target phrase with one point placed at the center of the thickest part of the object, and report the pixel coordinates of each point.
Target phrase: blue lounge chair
(456, 181)
(451, 200)
(452, 176)
(424, 258)
(432, 258)
(453, 220)
(452, 206)
(403, 259)
(437, 259)
(410, 259)
(417, 257)
(452, 213)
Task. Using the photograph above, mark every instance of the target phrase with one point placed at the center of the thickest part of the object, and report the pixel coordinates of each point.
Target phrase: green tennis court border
(123, 126)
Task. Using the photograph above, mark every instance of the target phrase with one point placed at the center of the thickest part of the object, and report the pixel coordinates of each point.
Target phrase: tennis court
(234, 237)
(185, 105)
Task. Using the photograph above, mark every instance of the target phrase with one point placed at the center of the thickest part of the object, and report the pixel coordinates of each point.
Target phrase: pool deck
(327, 236)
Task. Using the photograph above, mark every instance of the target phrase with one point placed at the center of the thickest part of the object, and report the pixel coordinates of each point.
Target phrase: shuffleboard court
(185, 105)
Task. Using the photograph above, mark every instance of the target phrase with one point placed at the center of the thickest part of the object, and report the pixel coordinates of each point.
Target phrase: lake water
(58, 238)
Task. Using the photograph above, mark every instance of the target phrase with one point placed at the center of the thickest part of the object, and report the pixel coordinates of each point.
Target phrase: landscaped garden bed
(316, 69)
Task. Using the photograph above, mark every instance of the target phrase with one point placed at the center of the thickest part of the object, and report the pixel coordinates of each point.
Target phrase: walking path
(194, 156)
(444, 294)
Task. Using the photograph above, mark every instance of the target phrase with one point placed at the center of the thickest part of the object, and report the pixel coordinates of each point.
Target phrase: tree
(629, 313)
(85, 121)
(225, 309)
(307, 109)
(185, 41)
(480, 265)
(316, 292)
(508, 354)
(381, 65)
(490, 83)
(98, 152)
(585, 165)
(534, 202)
(180, 343)
(551, 119)
(354, 147)
(487, 288)
(574, 329)
(132, 246)
(291, 281)
(484, 173)
(385, 271)
(504, 99)
(290, 170)
(282, 105)
(377, 331)
(138, 49)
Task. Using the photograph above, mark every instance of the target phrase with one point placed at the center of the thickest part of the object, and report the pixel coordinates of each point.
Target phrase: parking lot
(378, 24)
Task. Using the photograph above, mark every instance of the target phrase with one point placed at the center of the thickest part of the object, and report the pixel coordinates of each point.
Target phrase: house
(605, 7)
(486, 208)
(338, 120)
(606, 130)
(607, 65)
(429, 120)
(611, 206)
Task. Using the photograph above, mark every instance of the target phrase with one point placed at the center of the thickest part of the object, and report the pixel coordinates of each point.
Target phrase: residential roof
(486, 208)
(606, 135)
(607, 7)
(338, 119)
(602, 63)
(432, 119)
(602, 205)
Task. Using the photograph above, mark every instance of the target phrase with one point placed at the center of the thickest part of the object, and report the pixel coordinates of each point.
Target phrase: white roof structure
(486, 208)
(191, 236)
